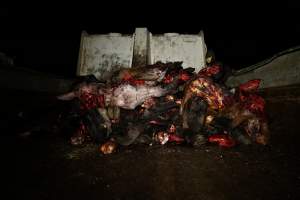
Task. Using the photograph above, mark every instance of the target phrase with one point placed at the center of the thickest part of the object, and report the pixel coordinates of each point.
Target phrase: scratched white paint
(171, 47)
(101, 54)
(141, 46)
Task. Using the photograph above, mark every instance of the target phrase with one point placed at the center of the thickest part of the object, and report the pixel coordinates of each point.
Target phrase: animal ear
(67, 96)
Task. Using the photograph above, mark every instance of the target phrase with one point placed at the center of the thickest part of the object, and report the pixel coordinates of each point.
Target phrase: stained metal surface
(141, 47)
(102, 54)
(171, 47)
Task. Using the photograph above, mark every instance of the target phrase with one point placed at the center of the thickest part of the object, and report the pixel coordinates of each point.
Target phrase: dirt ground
(47, 167)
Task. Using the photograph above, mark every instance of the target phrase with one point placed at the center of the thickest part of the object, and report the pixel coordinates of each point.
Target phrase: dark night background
(46, 37)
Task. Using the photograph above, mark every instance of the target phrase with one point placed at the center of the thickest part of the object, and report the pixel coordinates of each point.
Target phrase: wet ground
(47, 167)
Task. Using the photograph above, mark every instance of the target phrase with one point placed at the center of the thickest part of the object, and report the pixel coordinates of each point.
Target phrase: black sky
(46, 37)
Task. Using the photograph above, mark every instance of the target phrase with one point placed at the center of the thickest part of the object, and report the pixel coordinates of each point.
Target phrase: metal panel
(102, 54)
(141, 47)
(172, 47)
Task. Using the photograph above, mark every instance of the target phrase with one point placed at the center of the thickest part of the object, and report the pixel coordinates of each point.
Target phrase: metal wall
(172, 47)
(102, 54)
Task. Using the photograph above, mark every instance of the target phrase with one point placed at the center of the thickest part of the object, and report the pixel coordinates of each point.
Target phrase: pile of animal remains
(164, 103)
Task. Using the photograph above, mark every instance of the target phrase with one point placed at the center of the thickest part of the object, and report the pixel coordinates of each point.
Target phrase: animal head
(94, 88)
(154, 73)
